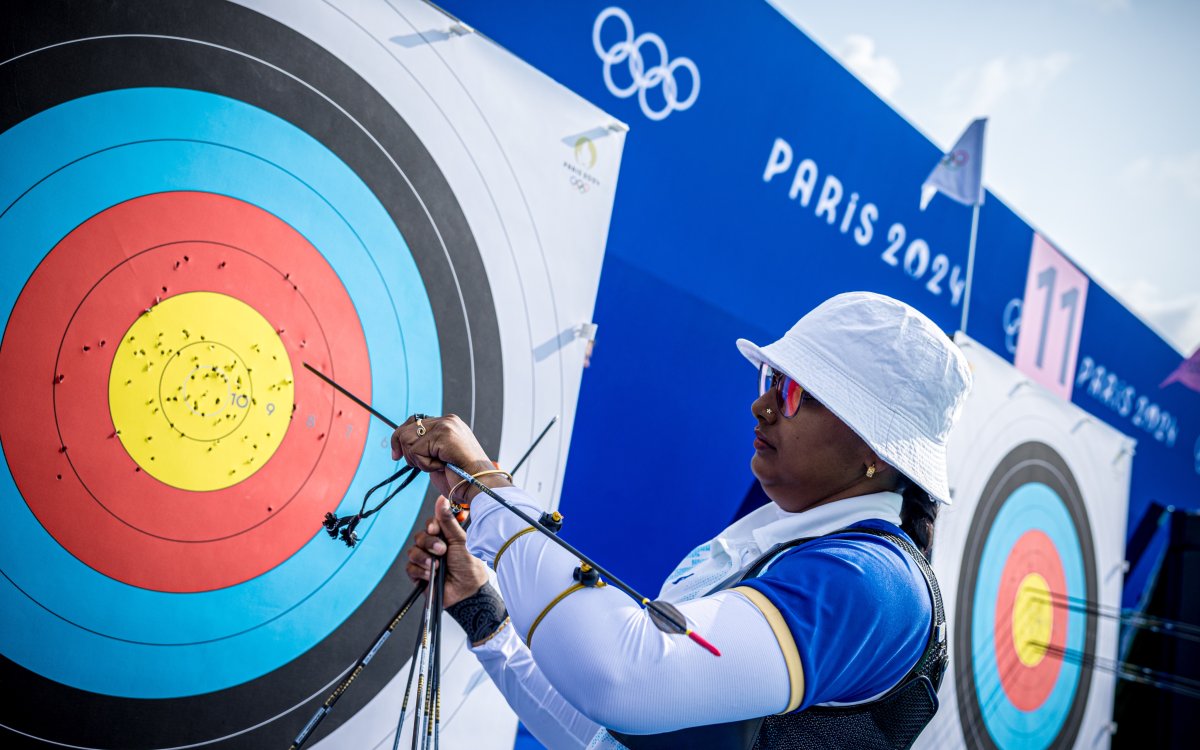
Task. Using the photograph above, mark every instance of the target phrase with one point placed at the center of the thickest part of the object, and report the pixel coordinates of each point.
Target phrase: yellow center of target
(1032, 620)
(201, 391)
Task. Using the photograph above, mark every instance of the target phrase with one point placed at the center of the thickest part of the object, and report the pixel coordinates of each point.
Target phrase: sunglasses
(791, 395)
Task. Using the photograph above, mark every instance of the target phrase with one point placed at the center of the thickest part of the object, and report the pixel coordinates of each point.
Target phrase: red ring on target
(1027, 687)
(90, 288)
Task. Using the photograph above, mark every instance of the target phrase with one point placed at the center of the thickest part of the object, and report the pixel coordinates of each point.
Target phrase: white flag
(959, 174)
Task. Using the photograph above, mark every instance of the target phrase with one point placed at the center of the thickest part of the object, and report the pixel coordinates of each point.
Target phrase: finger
(397, 451)
(437, 441)
(416, 573)
(452, 532)
(406, 440)
(421, 539)
(405, 437)
(398, 438)
(415, 456)
(434, 546)
(419, 557)
(446, 446)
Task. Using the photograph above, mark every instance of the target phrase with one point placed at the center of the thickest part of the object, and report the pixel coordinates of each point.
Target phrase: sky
(1094, 121)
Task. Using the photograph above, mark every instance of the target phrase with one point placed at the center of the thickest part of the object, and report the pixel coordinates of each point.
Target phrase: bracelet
(481, 615)
(461, 482)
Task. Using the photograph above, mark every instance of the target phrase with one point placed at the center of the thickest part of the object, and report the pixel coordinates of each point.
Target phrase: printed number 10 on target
(1051, 319)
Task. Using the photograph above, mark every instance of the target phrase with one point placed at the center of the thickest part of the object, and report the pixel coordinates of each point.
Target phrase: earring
(769, 412)
(870, 471)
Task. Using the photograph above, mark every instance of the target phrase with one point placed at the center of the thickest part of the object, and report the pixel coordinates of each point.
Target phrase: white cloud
(881, 73)
(1134, 228)
(1151, 217)
(1002, 83)
(1177, 318)
(1175, 176)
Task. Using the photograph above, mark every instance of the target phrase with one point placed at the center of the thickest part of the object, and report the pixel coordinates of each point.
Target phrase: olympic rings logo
(580, 185)
(956, 159)
(629, 51)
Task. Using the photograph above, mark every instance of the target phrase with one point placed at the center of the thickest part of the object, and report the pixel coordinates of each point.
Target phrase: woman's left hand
(444, 538)
(443, 440)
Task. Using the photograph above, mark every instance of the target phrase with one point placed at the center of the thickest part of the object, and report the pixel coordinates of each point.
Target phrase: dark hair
(917, 515)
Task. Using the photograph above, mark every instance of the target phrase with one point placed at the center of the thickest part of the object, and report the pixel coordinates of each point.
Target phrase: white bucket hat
(887, 371)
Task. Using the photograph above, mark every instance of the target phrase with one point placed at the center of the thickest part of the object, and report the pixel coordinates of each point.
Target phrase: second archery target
(1029, 558)
(194, 202)
(1028, 574)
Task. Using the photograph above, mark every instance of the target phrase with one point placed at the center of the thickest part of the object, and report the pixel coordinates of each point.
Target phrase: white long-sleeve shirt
(596, 660)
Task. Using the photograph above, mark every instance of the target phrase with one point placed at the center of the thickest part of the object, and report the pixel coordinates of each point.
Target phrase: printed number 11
(1070, 298)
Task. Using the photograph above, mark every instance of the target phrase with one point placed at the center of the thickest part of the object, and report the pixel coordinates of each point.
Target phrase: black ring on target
(225, 49)
(1029, 463)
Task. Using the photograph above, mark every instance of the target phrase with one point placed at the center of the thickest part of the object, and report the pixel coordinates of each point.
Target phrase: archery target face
(194, 202)
(1025, 558)
(1028, 571)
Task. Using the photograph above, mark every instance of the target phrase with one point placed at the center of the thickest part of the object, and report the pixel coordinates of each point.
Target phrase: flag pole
(959, 175)
(970, 267)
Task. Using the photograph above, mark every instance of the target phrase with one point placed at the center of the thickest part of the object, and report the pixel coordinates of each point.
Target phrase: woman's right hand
(429, 443)
(443, 537)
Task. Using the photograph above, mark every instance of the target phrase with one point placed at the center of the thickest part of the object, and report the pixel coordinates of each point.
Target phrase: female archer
(825, 611)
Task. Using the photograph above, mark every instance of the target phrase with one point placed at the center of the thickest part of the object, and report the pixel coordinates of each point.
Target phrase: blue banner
(760, 177)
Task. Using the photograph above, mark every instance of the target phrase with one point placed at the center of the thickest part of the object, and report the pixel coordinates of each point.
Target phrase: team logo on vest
(628, 52)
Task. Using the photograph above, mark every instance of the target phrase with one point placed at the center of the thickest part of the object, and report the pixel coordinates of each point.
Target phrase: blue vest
(894, 720)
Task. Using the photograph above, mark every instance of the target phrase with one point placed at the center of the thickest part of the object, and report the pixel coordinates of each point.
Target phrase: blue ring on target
(1032, 506)
(107, 148)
